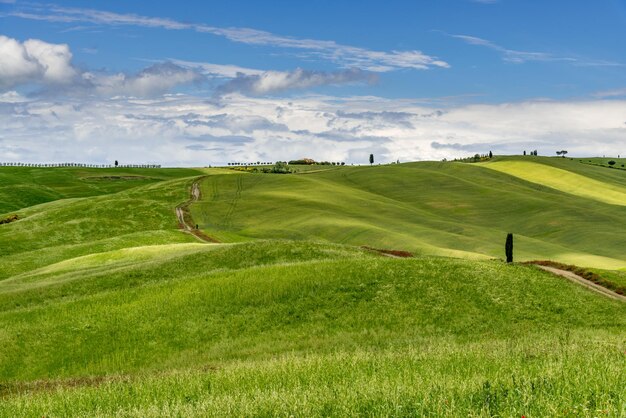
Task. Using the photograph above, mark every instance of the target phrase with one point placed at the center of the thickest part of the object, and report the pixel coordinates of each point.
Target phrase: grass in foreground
(563, 375)
(284, 328)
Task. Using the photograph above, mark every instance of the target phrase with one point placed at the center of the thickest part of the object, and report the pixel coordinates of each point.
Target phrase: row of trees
(50, 165)
(309, 161)
(533, 152)
(248, 164)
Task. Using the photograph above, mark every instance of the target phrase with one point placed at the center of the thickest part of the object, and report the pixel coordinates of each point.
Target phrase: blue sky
(187, 83)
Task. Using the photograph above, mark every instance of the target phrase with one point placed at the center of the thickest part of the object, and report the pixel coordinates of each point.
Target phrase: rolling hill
(108, 308)
(575, 215)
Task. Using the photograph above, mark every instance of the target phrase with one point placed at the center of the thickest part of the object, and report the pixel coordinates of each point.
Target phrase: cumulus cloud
(34, 61)
(277, 81)
(39, 63)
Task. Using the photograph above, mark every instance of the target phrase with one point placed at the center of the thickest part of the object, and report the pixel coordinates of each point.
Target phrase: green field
(447, 209)
(107, 308)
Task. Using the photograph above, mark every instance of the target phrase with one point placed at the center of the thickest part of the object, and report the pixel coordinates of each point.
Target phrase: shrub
(280, 168)
(9, 219)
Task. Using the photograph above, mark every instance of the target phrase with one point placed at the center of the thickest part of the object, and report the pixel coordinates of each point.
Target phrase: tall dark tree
(508, 248)
(490, 154)
(116, 163)
(371, 159)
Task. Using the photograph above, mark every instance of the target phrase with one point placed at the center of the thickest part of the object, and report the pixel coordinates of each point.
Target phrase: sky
(203, 83)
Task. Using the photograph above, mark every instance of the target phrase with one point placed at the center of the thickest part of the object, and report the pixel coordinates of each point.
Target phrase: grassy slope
(295, 327)
(277, 327)
(76, 226)
(563, 180)
(21, 187)
(431, 208)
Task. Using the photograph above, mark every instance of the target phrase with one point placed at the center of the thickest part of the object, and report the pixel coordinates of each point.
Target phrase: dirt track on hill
(185, 221)
(577, 279)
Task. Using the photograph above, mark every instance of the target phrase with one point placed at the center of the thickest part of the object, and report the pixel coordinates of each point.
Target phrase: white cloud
(12, 97)
(217, 70)
(277, 81)
(39, 63)
(610, 93)
(154, 80)
(34, 61)
(518, 57)
(48, 65)
(344, 55)
(186, 130)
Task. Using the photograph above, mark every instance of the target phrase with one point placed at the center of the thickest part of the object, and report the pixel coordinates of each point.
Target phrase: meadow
(107, 308)
(574, 215)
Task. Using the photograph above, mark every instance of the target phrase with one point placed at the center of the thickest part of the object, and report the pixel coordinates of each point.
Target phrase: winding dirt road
(185, 220)
(577, 279)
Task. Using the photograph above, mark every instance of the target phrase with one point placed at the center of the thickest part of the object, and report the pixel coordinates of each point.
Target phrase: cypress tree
(508, 247)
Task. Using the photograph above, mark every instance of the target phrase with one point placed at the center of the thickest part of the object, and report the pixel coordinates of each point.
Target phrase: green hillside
(22, 187)
(576, 215)
(178, 330)
(108, 308)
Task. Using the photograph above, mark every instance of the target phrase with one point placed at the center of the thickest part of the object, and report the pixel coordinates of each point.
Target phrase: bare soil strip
(185, 221)
(389, 253)
(577, 279)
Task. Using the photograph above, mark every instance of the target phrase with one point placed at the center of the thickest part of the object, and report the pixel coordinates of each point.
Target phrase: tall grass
(577, 374)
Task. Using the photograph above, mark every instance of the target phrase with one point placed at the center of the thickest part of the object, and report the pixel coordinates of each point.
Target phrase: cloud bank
(182, 129)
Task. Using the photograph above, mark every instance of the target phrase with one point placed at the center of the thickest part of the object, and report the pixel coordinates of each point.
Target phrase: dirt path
(185, 221)
(577, 279)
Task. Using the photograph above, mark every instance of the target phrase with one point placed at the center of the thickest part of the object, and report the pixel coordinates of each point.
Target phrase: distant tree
(116, 163)
(508, 248)
(611, 163)
(524, 152)
(490, 154)
(371, 159)
(280, 167)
